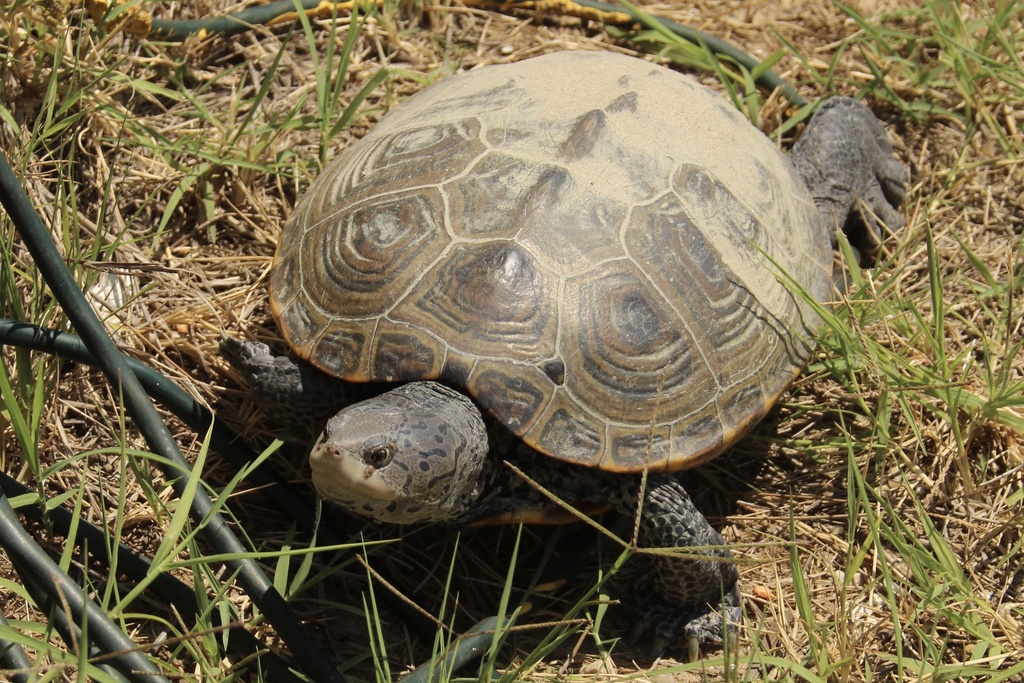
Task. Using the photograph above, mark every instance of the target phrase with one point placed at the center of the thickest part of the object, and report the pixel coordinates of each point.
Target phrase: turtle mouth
(339, 473)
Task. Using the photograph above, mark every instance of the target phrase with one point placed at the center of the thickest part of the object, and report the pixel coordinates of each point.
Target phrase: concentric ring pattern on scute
(589, 244)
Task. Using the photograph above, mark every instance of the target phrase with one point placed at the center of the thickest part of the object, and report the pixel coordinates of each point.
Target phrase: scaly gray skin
(424, 453)
(845, 159)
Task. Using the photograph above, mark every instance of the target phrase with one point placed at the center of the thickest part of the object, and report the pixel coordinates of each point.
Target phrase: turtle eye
(378, 456)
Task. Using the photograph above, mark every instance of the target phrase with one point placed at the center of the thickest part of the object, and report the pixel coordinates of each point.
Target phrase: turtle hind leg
(680, 595)
(846, 161)
(289, 390)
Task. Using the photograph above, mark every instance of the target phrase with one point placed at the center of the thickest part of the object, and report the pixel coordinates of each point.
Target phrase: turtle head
(414, 454)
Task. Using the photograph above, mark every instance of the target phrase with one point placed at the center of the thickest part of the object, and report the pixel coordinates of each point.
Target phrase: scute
(489, 201)
(599, 267)
(488, 298)
(630, 357)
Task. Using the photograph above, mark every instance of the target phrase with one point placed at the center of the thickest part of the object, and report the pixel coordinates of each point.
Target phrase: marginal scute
(457, 369)
(286, 276)
(304, 325)
(631, 446)
(515, 399)
(603, 268)
(339, 351)
(572, 437)
(699, 438)
(403, 357)
(745, 400)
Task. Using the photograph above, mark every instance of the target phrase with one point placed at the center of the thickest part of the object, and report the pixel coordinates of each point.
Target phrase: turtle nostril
(326, 452)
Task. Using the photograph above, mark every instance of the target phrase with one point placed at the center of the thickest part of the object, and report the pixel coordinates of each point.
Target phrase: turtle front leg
(289, 389)
(681, 595)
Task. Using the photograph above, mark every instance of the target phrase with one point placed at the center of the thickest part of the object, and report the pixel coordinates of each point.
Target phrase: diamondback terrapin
(584, 263)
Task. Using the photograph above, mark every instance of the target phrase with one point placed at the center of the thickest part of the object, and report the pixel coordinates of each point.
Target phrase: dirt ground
(195, 216)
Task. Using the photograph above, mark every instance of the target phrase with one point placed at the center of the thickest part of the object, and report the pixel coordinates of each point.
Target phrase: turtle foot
(696, 626)
(290, 390)
(847, 162)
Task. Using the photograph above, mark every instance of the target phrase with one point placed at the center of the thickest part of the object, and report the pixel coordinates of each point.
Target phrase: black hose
(184, 407)
(138, 406)
(95, 541)
(769, 80)
(176, 30)
(222, 439)
(50, 585)
(12, 656)
(283, 11)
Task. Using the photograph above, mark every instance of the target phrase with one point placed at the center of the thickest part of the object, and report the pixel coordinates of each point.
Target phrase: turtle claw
(693, 649)
(691, 627)
(658, 647)
(665, 634)
(635, 639)
(732, 642)
(638, 631)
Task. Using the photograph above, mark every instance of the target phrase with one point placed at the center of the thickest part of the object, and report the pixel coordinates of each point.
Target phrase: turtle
(585, 268)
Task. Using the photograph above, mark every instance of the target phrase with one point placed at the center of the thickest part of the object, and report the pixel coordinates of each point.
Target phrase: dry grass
(878, 512)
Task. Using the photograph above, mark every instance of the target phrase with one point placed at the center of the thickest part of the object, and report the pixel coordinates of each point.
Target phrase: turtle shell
(599, 250)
